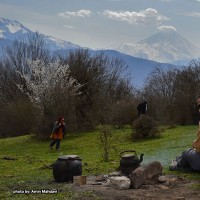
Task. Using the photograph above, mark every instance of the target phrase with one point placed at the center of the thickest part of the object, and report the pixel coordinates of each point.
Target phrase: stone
(168, 179)
(101, 178)
(9, 158)
(120, 182)
(114, 174)
(163, 187)
(145, 172)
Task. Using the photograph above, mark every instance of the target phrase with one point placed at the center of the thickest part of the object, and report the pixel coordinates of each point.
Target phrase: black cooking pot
(66, 167)
(129, 162)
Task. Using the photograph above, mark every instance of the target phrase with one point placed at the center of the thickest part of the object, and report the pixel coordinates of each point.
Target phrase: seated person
(190, 158)
(188, 161)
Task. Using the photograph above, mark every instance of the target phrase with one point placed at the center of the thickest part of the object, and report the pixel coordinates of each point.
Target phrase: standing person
(142, 108)
(58, 133)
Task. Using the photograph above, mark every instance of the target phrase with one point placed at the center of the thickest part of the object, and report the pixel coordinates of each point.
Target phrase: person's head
(61, 119)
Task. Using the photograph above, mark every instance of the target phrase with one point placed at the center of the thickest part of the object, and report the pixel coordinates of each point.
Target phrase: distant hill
(138, 68)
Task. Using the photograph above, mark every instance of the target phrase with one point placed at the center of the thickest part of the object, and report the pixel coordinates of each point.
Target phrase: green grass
(30, 169)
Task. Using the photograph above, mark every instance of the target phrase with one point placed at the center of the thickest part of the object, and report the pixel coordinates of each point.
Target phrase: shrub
(144, 127)
(105, 140)
(17, 117)
(123, 112)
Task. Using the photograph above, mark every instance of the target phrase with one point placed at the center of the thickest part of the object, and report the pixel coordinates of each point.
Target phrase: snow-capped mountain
(164, 46)
(11, 30)
(138, 68)
(55, 44)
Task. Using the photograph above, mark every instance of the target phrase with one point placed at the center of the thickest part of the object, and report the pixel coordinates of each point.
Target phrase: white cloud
(167, 28)
(149, 16)
(193, 14)
(80, 13)
(166, 0)
(69, 27)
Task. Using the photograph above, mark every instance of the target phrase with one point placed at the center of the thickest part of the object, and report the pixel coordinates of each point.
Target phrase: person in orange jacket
(58, 133)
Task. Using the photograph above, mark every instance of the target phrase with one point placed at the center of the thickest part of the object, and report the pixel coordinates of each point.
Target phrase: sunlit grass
(30, 169)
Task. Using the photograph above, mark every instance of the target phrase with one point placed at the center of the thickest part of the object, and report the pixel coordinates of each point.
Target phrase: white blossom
(43, 79)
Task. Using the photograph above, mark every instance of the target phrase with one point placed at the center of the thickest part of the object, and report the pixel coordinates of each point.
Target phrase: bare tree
(171, 93)
(17, 114)
(50, 85)
(15, 59)
(159, 91)
(103, 85)
(31, 48)
(187, 86)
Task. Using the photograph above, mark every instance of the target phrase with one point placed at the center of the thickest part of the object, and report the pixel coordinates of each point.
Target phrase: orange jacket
(58, 131)
(58, 135)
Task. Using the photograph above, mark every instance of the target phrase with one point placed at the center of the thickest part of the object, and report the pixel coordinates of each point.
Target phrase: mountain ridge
(138, 68)
(12, 30)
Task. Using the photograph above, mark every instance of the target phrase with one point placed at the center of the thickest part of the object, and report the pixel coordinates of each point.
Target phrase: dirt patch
(176, 189)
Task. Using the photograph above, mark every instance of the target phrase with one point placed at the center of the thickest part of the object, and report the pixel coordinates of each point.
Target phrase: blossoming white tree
(43, 81)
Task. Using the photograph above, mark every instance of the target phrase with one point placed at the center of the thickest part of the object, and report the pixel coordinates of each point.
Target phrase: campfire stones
(168, 180)
(145, 172)
(120, 182)
(114, 174)
(148, 177)
(101, 178)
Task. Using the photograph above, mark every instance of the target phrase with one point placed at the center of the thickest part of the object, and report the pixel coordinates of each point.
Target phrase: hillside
(29, 168)
(138, 68)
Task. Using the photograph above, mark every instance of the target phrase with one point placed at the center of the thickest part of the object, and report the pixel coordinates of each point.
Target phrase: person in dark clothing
(188, 161)
(142, 108)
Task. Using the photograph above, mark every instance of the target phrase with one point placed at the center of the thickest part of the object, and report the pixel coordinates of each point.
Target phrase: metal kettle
(129, 162)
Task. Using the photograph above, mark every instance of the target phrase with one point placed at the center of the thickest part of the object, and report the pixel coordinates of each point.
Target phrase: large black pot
(129, 162)
(66, 167)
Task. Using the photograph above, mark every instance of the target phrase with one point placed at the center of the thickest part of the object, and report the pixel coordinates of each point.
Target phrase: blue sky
(101, 23)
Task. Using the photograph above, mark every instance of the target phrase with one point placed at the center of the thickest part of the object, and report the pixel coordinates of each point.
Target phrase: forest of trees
(37, 86)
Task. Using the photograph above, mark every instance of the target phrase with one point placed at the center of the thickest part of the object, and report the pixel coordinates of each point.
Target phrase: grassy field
(29, 170)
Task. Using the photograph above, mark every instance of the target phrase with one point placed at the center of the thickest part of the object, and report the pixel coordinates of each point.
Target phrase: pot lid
(128, 155)
(69, 157)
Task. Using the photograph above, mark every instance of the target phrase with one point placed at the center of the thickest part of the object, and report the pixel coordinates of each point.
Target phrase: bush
(122, 113)
(105, 140)
(17, 117)
(144, 127)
